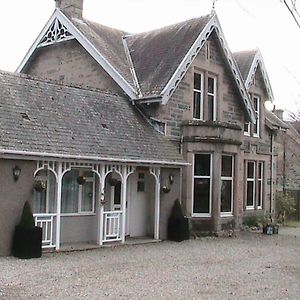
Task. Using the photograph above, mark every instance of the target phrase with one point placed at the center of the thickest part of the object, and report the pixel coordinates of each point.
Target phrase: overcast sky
(263, 24)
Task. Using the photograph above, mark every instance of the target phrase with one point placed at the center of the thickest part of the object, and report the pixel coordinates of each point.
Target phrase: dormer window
(205, 96)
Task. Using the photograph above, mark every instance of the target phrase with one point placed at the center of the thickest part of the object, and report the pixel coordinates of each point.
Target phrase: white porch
(119, 203)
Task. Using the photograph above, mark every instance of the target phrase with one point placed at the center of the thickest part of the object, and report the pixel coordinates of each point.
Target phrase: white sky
(263, 24)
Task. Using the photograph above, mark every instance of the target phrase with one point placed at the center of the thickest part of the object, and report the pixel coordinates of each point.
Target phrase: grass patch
(292, 224)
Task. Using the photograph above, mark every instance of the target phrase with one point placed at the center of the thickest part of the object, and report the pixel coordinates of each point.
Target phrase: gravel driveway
(250, 266)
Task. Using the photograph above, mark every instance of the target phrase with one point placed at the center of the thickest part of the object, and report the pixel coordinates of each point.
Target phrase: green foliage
(27, 219)
(251, 221)
(285, 205)
(177, 210)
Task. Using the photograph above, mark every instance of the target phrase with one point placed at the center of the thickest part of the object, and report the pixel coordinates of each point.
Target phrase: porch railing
(46, 222)
(112, 226)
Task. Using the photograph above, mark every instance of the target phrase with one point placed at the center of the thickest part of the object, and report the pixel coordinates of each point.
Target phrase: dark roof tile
(72, 121)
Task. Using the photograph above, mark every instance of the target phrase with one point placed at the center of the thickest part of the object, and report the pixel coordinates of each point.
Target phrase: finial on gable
(213, 5)
(72, 8)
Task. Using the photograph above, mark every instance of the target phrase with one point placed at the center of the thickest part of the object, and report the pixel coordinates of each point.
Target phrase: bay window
(227, 169)
(202, 185)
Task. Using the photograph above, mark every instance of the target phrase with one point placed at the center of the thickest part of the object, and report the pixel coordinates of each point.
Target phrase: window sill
(198, 215)
(78, 214)
(249, 208)
(224, 215)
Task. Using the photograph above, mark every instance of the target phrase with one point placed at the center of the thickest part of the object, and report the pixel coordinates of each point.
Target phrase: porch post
(101, 175)
(124, 199)
(157, 204)
(58, 205)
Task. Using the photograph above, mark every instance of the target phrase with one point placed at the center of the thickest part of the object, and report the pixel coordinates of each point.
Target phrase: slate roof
(157, 54)
(44, 117)
(244, 60)
(108, 41)
(274, 122)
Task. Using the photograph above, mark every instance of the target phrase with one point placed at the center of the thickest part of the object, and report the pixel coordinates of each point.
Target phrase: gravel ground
(250, 266)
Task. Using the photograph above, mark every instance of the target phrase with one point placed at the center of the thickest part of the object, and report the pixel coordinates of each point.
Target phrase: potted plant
(178, 226)
(27, 240)
(270, 226)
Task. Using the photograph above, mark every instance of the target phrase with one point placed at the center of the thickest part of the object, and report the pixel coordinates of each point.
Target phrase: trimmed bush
(178, 226)
(27, 241)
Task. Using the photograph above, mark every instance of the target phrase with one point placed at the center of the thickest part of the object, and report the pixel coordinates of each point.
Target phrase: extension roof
(273, 122)
(248, 62)
(147, 66)
(41, 118)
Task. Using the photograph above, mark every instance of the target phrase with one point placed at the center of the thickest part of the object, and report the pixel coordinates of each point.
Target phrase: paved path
(250, 266)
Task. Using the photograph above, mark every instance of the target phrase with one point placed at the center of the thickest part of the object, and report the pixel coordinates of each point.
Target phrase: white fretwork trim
(212, 25)
(56, 33)
(258, 61)
(89, 47)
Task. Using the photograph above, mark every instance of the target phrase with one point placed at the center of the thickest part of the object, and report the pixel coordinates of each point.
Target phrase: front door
(139, 206)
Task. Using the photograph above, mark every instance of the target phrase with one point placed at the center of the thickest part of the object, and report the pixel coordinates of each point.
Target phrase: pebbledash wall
(13, 195)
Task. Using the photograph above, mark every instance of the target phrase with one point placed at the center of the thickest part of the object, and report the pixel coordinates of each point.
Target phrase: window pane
(201, 195)
(226, 195)
(260, 170)
(197, 81)
(250, 170)
(39, 202)
(210, 104)
(197, 105)
(51, 190)
(211, 85)
(87, 197)
(117, 195)
(246, 127)
(259, 198)
(69, 201)
(202, 165)
(250, 193)
(226, 166)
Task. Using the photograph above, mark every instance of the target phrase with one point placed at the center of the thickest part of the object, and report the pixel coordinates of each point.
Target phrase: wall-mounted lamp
(171, 178)
(16, 173)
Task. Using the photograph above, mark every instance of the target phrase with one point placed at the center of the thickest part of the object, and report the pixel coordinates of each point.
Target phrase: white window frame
(227, 178)
(214, 95)
(260, 191)
(247, 132)
(79, 198)
(202, 215)
(250, 207)
(201, 95)
(256, 127)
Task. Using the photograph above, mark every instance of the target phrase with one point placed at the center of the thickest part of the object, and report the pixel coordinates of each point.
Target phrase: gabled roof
(157, 54)
(273, 122)
(248, 62)
(152, 64)
(41, 118)
(105, 50)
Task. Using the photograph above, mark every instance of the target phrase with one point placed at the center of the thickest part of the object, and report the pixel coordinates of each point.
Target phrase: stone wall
(69, 63)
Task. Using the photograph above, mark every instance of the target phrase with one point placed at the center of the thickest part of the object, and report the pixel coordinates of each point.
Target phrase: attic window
(25, 116)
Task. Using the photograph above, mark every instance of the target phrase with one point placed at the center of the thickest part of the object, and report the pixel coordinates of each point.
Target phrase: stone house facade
(194, 128)
(231, 91)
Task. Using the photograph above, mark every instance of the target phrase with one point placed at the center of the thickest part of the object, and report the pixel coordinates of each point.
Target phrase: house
(120, 125)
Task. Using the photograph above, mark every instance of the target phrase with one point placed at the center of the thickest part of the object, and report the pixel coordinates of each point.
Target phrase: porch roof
(48, 118)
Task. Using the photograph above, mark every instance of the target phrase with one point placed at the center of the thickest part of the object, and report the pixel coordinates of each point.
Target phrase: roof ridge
(57, 83)
(166, 27)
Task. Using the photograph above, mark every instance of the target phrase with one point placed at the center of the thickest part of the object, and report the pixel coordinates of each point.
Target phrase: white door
(138, 206)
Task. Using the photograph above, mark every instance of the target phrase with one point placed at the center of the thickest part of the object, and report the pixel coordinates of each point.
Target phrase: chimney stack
(72, 8)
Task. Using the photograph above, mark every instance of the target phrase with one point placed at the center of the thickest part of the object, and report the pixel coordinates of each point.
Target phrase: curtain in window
(69, 200)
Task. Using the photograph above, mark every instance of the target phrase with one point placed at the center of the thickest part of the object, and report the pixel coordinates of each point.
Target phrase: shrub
(251, 221)
(27, 219)
(285, 205)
